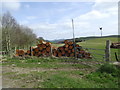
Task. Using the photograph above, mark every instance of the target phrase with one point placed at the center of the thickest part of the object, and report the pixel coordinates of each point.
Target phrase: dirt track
(11, 74)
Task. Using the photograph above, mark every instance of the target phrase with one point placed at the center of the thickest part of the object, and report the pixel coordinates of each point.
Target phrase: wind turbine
(101, 30)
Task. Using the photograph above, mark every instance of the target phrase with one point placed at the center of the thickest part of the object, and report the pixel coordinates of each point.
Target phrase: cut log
(36, 50)
(66, 45)
(66, 49)
(48, 44)
(60, 48)
(40, 48)
(70, 43)
(63, 53)
(72, 55)
(39, 45)
(67, 54)
(70, 47)
(55, 53)
(43, 45)
(69, 51)
(59, 54)
(42, 42)
(73, 50)
(44, 49)
(48, 49)
(77, 45)
(66, 41)
(28, 52)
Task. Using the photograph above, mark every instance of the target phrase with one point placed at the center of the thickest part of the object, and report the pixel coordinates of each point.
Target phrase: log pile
(46, 49)
(115, 45)
(68, 51)
(20, 52)
(42, 49)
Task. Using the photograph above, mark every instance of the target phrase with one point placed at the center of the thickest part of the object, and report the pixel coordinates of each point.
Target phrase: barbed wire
(93, 49)
(94, 53)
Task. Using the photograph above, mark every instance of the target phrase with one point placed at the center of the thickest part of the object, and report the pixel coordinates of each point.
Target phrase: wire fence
(97, 54)
(100, 54)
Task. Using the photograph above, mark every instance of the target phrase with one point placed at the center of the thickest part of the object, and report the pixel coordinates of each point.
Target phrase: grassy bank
(58, 73)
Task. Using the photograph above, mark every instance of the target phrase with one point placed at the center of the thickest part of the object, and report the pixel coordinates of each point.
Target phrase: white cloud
(94, 14)
(31, 17)
(103, 14)
(51, 31)
(14, 5)
(44, 26)
(106, 1)
(101, 10)
(24, 22)
(59, 30)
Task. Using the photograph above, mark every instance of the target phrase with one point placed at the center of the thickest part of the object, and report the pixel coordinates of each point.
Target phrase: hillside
(81, 39)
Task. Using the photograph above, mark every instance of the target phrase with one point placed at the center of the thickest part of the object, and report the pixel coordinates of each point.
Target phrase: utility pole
(74, 39)
(101, 31)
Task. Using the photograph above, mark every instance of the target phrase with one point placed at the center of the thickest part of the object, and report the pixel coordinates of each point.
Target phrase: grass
(65, 72)
(92, 80)
(107, 73)
(98, 43)
(103, 76)
(44, 63)
(20, 76)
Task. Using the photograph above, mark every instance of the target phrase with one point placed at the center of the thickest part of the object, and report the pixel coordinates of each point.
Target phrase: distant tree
(8, 26)
(28, 37)
(0, 33)
(15, 35)
(40, 38)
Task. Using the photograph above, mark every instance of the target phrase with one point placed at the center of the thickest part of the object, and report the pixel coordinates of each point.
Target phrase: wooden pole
(6, 39)
(31, 51)
(107, 51)
(9, 42)
(74, 39)
(15, 49)
(51, 51)
(116, 57)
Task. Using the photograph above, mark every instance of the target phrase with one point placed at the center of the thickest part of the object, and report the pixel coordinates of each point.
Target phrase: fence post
(31, 50)
(107, 51)
(51, 51)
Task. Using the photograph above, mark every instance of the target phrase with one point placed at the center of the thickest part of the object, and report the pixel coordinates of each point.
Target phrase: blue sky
(50, 11)
(52, 20)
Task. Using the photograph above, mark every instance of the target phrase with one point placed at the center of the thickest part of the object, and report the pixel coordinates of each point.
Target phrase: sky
(53, 20)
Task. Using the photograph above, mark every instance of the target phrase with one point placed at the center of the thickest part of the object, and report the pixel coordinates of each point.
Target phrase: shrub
(109, 68)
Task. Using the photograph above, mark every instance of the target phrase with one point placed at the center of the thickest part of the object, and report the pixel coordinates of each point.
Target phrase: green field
(58, 73)
(98, 43)
(53, 72)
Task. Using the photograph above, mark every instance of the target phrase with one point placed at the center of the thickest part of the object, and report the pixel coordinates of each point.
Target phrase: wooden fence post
(107, 51)
(51, 51)
(31, 51)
